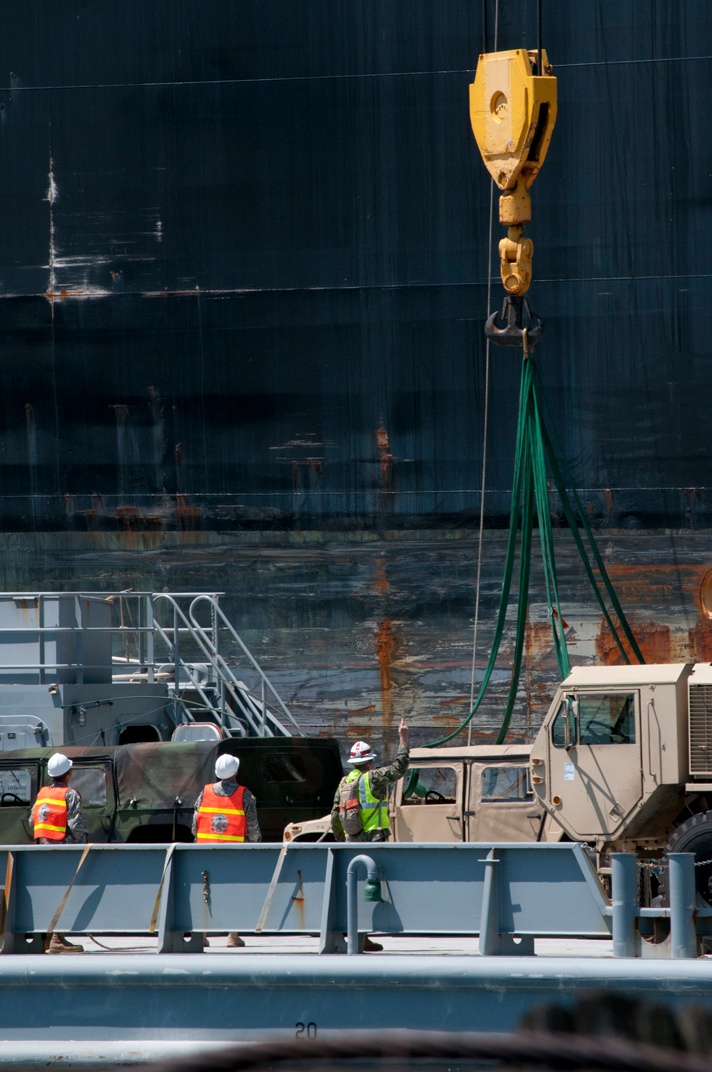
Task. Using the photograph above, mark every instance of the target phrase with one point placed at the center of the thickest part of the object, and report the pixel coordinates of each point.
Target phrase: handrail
(222, 665)
(268, 724)
(178, 664)
(140, 633)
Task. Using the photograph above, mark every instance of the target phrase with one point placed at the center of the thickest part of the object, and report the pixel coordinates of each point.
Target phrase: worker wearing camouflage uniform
(373, 785)
(368, 787)
(238, 822)
(57, 819)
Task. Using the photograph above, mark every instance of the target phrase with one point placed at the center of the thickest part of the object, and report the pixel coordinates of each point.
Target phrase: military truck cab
(615, 762)
(24, 772)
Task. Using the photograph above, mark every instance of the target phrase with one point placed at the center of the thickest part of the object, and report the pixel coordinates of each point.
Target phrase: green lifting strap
(530, 493)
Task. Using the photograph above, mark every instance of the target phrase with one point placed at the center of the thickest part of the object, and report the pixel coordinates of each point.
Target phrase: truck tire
(695, 835)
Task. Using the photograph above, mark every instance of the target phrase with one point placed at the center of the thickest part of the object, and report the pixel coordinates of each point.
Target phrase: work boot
(234, 941)
(369, 946)
(59, 944)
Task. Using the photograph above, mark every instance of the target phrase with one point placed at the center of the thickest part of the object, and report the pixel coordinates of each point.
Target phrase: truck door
(595, 763)
(501, 803)
(95, 784)
(19, 782)
(429, 804)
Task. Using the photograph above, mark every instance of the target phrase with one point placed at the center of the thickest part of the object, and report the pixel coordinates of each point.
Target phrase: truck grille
(701, 730)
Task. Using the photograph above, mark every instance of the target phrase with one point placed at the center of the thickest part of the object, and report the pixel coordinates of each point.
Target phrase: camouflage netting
(155, 773)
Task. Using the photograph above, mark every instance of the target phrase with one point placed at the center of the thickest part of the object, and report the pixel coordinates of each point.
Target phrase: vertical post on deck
(329, 940)
(352, 942)
(624, 902)
(489, 919)
(683, 905)
(493, 943)
(7, 913)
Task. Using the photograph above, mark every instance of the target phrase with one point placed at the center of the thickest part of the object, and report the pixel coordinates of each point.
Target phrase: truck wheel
(695, 835)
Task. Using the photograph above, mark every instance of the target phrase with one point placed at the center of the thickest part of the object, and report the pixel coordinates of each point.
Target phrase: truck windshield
(603, 718)
(607, 719)
(431, 785)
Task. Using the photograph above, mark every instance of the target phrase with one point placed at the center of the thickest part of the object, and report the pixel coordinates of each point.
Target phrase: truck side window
(16, 786)
(607, 719)
(283, 767)
(90, 783)
(435, 785)
(501, 784)
(558, 728)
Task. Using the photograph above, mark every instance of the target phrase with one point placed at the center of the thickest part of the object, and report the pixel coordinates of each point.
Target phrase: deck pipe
(351, 895)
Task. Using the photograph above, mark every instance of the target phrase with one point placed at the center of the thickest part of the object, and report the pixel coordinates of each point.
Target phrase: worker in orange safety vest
(226, 812)
(57, 819)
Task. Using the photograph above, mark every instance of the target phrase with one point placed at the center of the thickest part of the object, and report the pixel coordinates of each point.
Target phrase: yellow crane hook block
(513, 113)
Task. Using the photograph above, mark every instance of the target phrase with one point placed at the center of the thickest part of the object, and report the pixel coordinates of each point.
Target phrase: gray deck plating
(143, 998)
(458, 900)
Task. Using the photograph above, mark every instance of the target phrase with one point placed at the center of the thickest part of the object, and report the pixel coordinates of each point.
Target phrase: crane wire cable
(485, 421)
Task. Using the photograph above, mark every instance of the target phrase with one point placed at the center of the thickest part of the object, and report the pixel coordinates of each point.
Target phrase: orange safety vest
(49, 813)
(221, 818)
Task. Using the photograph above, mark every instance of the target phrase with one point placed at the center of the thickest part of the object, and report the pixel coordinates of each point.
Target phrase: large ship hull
(245, 263)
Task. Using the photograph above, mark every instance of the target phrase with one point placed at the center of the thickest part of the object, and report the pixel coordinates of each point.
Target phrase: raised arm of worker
(382, 777)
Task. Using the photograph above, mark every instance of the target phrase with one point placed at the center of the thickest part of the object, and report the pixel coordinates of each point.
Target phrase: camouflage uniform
(380, 778)
(226, 788)
(77, 830)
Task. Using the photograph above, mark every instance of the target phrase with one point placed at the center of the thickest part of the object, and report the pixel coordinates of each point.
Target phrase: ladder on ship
(222, 694)
(182, 640)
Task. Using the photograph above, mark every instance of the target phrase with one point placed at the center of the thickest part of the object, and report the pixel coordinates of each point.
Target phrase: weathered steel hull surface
(244, 268)
(358, 630)
(244, 263)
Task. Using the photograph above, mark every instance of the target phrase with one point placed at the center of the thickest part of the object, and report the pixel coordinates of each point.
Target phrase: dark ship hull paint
(244, 267)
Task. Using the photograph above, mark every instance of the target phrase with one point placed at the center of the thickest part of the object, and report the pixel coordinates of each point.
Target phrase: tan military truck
(469, 793)
(623, 761)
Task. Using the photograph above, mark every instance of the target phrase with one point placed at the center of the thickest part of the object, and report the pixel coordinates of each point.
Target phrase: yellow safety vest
(374, 812)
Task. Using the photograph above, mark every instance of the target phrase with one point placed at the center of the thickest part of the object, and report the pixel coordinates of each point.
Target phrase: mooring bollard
(624, 903)
(683, 905)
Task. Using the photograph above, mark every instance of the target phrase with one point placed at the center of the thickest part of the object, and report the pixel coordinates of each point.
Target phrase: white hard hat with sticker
(361, 753)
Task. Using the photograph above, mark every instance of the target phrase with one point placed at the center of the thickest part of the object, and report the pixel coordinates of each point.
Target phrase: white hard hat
(226, 766)
(361, 753)
(58, 765)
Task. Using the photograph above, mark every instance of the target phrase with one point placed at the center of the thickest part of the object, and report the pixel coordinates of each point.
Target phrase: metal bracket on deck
(493, 943)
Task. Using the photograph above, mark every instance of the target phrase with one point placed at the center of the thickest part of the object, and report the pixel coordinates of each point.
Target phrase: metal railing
(505, 894)
(257, 713)
(50, 636)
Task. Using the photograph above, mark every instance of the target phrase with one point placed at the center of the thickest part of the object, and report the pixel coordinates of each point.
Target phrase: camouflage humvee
(145, 792)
